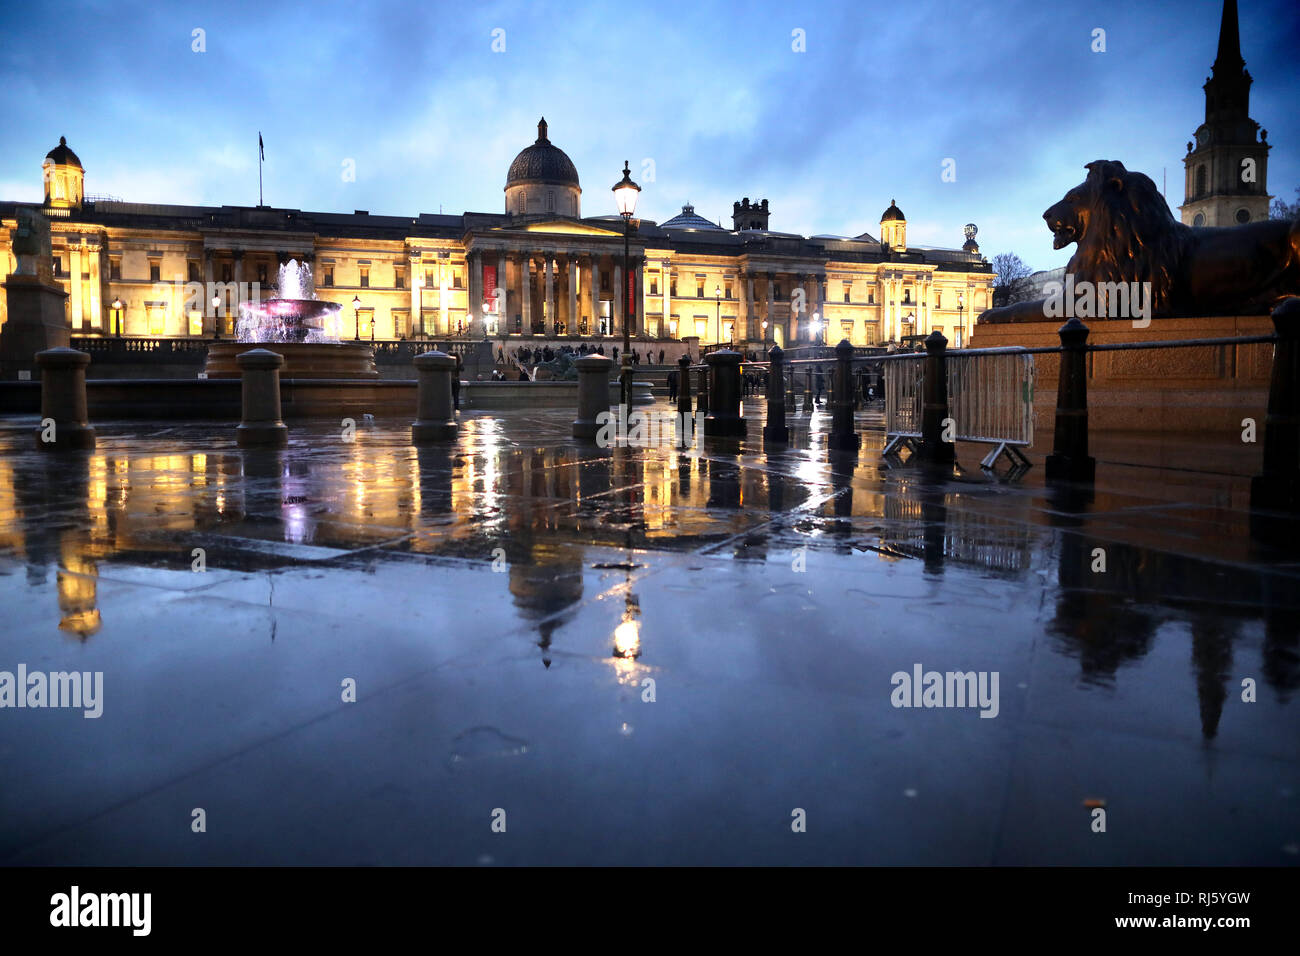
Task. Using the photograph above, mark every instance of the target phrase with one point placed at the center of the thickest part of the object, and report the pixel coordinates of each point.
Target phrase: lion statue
(1126, 233)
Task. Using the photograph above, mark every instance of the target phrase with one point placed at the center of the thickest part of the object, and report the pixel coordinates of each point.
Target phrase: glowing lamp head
(356, 302)
(117, 304)
(626, 193)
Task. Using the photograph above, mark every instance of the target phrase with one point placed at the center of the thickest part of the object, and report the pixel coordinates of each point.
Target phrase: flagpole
(260, 156)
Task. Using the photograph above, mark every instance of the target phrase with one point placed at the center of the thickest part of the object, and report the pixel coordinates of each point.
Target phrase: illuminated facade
(537, 268)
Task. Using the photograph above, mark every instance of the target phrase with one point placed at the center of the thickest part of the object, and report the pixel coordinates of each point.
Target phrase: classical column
(444, 315)
(746, 283)
(771, 299)
(818, 305)
(638, 298)
(593, 291)
(238, 256)
(474, 262)
(96, 290)
(211, 320)
(665, 280)
(525, 290)
(572, 269)
(74, 284)
(619, 293)
(549, 317)
(501, 303)
(417, 323)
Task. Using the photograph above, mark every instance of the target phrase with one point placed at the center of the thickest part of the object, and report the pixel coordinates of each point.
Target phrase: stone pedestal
(593, 394)
(36, 322)
(64, 425)
(260, 425)
(435, 420)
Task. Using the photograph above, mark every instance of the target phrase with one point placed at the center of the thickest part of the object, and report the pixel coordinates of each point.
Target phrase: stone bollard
(64, 422)
(702, 406)
(1069, 460)
(775, 430)
(435, 417)
(260, 424)
(934, 411)
(724, 398)
(842, 435)
(684, 387)
(593, 394)
(1278, 488)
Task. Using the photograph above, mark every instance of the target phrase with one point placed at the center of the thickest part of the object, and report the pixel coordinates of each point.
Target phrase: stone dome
(893, 214)
(543, 162)
(62, 156)
(688, 219)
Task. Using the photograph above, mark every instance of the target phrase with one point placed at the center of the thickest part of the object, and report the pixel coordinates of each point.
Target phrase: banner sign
(489, 288)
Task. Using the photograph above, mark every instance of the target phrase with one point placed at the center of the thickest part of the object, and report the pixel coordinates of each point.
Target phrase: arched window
(1200, 181)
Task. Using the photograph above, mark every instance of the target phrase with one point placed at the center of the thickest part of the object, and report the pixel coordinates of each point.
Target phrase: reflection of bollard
(842, 435)
(724, 397)
(775, 430)
(808, 398)
(934, 411)
(703, 405)
(260, 423)
(63, 400)
(593, 394)
(435, 419)
(1278, 488)
(791, 395)
(1069, 460)
(684, 386)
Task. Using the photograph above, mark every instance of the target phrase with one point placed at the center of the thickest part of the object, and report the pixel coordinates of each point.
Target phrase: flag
(261, 151)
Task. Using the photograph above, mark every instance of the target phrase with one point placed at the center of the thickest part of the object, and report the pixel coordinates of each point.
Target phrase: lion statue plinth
(1125, 233)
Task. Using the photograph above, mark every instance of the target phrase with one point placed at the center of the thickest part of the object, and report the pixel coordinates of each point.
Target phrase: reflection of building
(556, 272)
(1227, 166)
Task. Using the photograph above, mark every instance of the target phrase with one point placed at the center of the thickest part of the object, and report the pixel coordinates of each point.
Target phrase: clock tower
(1227, 166)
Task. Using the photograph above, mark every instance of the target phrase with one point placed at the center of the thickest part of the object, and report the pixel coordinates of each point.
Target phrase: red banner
(489, 288)
(631, 299)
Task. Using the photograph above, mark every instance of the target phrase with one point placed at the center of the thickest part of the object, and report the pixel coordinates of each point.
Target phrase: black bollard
(1069, 460)
(842, 435)
(702, 407)
(775, 430)
(934, 412)
(684, 386)
(1278, 488)
(724, 397)
(64, 423)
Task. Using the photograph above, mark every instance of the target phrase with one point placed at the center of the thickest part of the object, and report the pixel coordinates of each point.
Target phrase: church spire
(1229, 57)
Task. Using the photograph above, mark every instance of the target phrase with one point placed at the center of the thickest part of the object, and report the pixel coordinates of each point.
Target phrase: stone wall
(1195, 389)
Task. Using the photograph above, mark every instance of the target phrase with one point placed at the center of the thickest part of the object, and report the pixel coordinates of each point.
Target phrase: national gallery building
(538, 268)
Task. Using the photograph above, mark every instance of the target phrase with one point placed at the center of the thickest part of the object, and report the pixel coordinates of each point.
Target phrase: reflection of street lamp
(816, 328)
(356, 313)
(765, 334)
(625, 197)
(216, 317)
(117, 317)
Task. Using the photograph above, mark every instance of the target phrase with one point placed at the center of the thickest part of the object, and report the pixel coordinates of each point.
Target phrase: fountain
(298, 326)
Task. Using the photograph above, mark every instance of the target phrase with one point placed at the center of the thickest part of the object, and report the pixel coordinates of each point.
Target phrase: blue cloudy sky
(712, 93)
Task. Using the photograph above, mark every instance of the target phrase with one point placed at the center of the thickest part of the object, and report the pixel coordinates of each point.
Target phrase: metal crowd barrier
(990, 399)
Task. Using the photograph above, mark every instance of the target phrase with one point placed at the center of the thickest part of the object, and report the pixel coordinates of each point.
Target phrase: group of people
(524, 355)
(754, 381)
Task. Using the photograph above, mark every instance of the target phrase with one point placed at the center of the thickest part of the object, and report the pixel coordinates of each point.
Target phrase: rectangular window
(848, 292)
(907, 297)
(115, 268)
(727, 290)
(871, 298)
(938, 300)
(399, 279)
(329, 276)
(457, 279)
(699, 290)
(261, 273)
(428, 279)
(196, 323)
(157, 320)
(776, 293)
(401, 322)
(673, 289)
(194, 271)
(155, 273)
(58, 265)
(654, 286)
(871, 333)
(365, 277)
(225, 272)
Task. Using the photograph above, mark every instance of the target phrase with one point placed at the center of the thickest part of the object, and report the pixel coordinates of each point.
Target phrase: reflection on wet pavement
(641, 655)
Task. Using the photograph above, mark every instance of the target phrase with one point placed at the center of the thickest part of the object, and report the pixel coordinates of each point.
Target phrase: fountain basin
(302, 360)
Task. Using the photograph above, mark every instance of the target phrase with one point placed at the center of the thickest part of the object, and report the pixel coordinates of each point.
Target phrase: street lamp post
(717, 314)
(356, 317)
(117, 317)
(625, 196)
(765, 336)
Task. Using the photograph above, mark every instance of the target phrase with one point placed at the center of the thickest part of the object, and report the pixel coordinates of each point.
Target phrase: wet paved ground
(502, 604)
